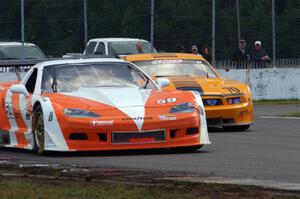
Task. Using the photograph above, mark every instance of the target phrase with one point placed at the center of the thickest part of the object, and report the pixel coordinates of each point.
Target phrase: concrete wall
(264, 83)
(281, 83)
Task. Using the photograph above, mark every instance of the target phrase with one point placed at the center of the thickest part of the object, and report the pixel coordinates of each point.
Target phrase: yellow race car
(228, 103)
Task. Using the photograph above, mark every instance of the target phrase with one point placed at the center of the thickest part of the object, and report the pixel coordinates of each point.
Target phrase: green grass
(63, 189)
(295, 114)
(23, 189)
(275, 102)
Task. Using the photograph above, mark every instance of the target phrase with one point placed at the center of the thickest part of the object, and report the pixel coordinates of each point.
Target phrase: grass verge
(275, 102)
(61, 189)
(295, 114)
(22, 181)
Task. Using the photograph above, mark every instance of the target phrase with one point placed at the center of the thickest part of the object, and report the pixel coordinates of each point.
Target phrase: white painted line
(280, 117)
(240, 181)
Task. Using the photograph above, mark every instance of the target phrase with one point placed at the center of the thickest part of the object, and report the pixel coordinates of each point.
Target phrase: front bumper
(229, 115)
(85, 135)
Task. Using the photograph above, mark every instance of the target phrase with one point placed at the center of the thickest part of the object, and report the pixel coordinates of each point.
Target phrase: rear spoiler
(17, 66)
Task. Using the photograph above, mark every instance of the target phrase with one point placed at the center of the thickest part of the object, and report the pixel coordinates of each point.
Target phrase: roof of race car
(116, 39)
(76, 61)
(153, 56)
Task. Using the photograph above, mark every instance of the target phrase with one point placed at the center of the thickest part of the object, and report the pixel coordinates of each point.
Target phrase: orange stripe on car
(22, 128)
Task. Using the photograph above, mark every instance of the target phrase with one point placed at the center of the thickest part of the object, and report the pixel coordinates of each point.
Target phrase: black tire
(38, 130)
(236, 128)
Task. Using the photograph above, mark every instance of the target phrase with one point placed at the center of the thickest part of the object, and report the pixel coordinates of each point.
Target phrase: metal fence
(58, 27)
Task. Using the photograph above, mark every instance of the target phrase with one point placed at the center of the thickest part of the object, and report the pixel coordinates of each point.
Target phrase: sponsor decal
(164, 101)
(172, 61)
(101, 122)
(167, 117)
(243, 114)
(137, 118)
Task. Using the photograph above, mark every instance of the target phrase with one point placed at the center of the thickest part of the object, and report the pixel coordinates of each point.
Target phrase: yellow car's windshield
(176, 67)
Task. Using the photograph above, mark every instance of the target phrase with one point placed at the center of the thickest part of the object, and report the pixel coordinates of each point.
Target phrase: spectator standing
(195, 50)
(258, 55)
(240, 55)
(206, 53)
(139, 47)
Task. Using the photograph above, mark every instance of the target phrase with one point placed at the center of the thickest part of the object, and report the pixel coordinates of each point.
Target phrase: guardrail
(280, 63)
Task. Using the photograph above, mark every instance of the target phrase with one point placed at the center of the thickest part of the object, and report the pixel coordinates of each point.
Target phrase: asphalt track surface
(270, 150)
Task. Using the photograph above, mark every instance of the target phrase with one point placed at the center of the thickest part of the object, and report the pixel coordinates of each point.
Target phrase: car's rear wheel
(38, 130)
(236, 128)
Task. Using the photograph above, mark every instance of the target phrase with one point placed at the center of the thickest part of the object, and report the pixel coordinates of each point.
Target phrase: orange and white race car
(97, 104)
(228, 103)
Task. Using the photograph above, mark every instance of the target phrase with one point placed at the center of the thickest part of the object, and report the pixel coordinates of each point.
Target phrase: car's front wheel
(38, 128)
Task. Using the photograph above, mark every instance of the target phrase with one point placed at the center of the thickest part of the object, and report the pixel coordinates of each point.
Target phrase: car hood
(123, 97)
(116, 97)
(207, 86)
(134, 102)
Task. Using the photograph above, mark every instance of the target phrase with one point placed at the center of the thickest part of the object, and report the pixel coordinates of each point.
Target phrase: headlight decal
(182, 108)
(74, 112)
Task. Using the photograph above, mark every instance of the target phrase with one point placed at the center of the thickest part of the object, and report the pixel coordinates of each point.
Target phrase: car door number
(9, 111)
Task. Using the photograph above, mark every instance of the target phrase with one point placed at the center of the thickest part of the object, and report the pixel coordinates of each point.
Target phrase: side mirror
(162, 82)
(19, 88)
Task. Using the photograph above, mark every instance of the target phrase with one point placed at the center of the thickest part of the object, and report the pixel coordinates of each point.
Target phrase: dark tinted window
(100, 49)
(129, 47)
(70, 77)
(30, 84)
(19, 52)
(90, 48)
(167, 67)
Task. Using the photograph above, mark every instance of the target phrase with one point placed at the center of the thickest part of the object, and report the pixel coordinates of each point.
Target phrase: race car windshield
(16, 52)
(127, 48)
(176, 67)
(71, 77)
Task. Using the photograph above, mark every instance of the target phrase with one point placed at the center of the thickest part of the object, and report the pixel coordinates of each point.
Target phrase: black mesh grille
(213, 121)
(144, 136)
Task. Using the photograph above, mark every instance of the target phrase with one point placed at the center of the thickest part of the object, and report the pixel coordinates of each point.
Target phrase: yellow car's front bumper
(229, 115)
